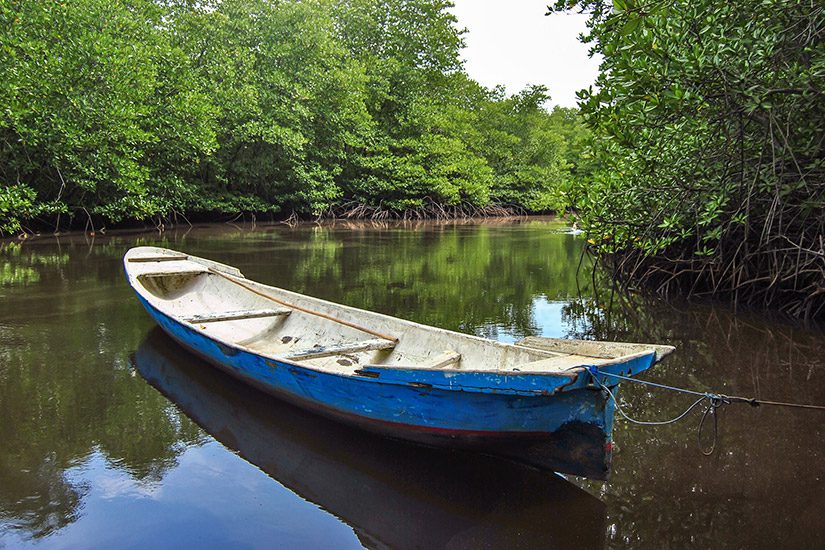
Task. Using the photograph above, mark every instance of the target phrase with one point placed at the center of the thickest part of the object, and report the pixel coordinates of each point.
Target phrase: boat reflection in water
(392, 494)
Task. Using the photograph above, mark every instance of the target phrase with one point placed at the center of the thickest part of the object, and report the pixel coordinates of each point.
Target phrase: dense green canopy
(150, 109)
(710, 125)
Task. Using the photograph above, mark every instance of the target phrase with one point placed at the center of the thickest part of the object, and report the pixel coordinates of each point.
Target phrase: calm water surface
(111, 435)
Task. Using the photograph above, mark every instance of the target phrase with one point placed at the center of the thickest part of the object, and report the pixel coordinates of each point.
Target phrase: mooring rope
(714, 403)
(649, 422)
(752, 401)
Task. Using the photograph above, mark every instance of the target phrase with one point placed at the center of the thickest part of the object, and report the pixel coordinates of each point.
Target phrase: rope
(712, 410)
(714, 403)
(752, 401)
(649, 422)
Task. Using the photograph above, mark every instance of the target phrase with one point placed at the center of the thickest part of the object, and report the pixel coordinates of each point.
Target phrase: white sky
(512, 42)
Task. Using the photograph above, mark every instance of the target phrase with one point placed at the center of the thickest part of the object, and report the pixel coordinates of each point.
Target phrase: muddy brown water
(111, 435)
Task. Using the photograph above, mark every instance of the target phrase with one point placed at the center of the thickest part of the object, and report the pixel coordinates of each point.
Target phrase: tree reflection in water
(69, 395)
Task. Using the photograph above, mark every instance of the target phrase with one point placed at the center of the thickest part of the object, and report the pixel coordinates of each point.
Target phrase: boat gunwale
(571, 374)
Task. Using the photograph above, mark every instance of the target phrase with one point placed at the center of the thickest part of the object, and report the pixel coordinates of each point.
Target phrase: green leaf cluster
(710, 145)
(139, 109)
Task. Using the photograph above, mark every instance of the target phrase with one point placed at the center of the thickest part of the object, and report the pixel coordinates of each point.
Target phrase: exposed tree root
(430, 210)
(777, 274)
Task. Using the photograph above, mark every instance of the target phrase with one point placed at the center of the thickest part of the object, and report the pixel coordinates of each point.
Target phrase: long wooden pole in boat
(304, 310)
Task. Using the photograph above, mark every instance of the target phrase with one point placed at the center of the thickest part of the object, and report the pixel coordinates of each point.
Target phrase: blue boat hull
(556, 423)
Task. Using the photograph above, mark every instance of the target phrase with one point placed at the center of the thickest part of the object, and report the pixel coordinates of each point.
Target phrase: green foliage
(138, 109)
(708, 119)
(15, 201)
(99, 107)
(527, 149)
(416, 151)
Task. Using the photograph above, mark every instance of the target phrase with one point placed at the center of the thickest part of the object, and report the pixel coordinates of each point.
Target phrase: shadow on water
(393, 495)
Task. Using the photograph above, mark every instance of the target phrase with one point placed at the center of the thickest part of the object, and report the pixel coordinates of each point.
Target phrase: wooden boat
(535, 401)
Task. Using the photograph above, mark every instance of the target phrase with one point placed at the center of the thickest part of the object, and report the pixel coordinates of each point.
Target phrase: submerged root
(778, 274)
(430, 210)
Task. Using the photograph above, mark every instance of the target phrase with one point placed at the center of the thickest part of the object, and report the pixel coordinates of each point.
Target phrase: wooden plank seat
(166, 258)
(172, 273)
(442, 360)
(236, 315)
(340, 349)
(445, 359)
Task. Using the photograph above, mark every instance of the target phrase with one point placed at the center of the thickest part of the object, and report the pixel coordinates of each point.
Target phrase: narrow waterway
(113, 436)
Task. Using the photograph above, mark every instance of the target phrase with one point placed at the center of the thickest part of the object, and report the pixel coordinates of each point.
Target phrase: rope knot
(716, 400)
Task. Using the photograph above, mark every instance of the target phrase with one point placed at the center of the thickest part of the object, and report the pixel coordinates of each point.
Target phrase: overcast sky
(512, 42)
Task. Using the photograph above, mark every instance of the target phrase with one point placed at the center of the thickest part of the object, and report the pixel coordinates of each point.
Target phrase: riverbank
(252, 222)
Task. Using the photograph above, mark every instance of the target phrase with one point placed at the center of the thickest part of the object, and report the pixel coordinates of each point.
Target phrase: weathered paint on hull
(567, 432)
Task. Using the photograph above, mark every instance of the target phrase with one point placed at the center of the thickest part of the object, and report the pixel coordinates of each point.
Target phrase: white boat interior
(219, 301)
